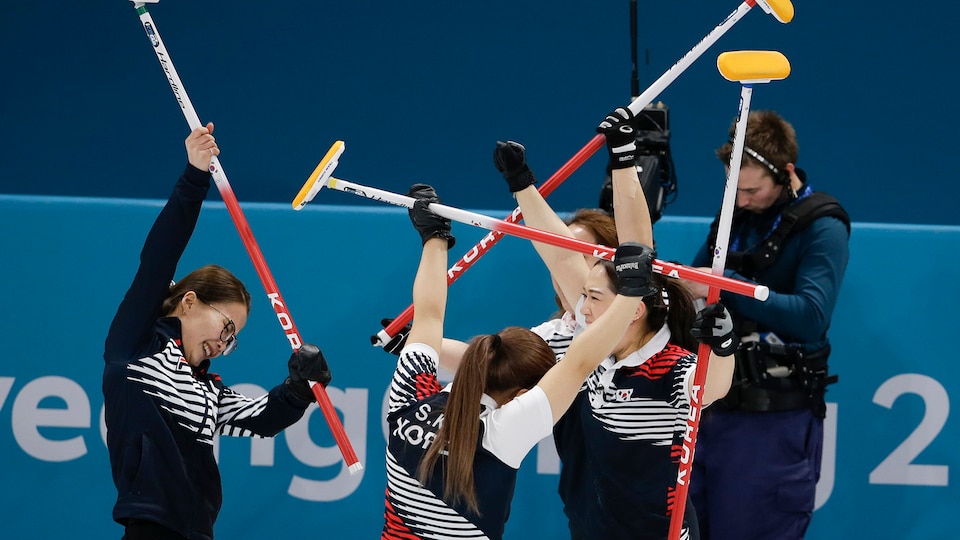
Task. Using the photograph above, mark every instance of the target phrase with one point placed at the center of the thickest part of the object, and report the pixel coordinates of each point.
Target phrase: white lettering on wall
(309, 453)
(28, 416)
(898, 467)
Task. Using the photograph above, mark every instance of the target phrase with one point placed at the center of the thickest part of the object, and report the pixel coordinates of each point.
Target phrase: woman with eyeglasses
(162, 405)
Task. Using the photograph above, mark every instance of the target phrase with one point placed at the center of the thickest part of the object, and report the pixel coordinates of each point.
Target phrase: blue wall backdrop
(890, 458)
(421, 90)
(91, 139)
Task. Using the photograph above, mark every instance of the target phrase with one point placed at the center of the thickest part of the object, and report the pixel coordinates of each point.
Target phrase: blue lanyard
(735, 241)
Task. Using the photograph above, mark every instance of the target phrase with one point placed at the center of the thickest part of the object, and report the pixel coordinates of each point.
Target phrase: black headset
(781, 177)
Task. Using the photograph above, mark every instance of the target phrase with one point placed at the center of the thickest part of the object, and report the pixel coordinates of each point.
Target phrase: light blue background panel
(889, 466)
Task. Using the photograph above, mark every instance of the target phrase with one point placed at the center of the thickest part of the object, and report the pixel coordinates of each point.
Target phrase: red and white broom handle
(703, 352)
(781, 9)
(226, 192)
(713, 295)
(720, 282)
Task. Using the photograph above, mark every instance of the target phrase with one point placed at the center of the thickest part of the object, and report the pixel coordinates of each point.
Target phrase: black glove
(428, 224)
(397, 342)
(714, 326)
(307, 364)
(510, 159)
(621, 136)
(634, 265)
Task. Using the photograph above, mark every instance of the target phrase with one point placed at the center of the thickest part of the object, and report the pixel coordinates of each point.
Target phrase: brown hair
(506, 362)
(601, 225)
(212, 283)
(769, 135)
(673, 306)
(598, 222)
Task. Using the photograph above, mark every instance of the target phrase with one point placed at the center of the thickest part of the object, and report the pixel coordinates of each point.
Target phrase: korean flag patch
(623, 394)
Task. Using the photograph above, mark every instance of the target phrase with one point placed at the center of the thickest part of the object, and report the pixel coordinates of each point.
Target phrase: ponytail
(673, 306)
(499, 365)
(680, 314)
(457, 436)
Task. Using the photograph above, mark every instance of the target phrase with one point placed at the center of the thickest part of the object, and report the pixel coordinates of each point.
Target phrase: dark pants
(138, 529)
(755, 473)
(689, 517)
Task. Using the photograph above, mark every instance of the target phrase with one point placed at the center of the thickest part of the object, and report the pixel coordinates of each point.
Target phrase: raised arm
(629, 202)
(133, 323)
(430, 284)
(568, 268)
(633, 263)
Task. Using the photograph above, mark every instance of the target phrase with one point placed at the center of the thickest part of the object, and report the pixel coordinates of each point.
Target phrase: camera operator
(758, 451)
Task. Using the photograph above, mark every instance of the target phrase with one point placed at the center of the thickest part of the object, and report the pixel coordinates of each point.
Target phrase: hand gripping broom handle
(782, 10)
(747, 68)
(500, 226)
(226, 192)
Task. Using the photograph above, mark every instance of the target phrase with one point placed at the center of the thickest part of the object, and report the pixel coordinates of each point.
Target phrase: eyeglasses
(229, 333)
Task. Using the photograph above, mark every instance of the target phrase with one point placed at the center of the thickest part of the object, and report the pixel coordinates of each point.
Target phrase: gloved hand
(396, 343)
(714, 326)
(307, 364)
(618, 128)
(511, 160)
(428, 224)
(634, 265)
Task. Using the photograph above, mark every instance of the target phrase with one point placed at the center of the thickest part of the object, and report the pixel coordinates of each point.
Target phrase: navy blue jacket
(804, 280)
(162, 413)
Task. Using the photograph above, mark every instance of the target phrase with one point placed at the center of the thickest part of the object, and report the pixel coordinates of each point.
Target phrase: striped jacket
(161, 413)
(416, 411)
(619, 442)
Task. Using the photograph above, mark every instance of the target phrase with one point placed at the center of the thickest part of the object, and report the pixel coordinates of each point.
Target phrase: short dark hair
(770, 136)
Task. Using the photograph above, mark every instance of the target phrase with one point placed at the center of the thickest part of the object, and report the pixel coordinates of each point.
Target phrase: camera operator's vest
(795, 217)
(771, 375)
